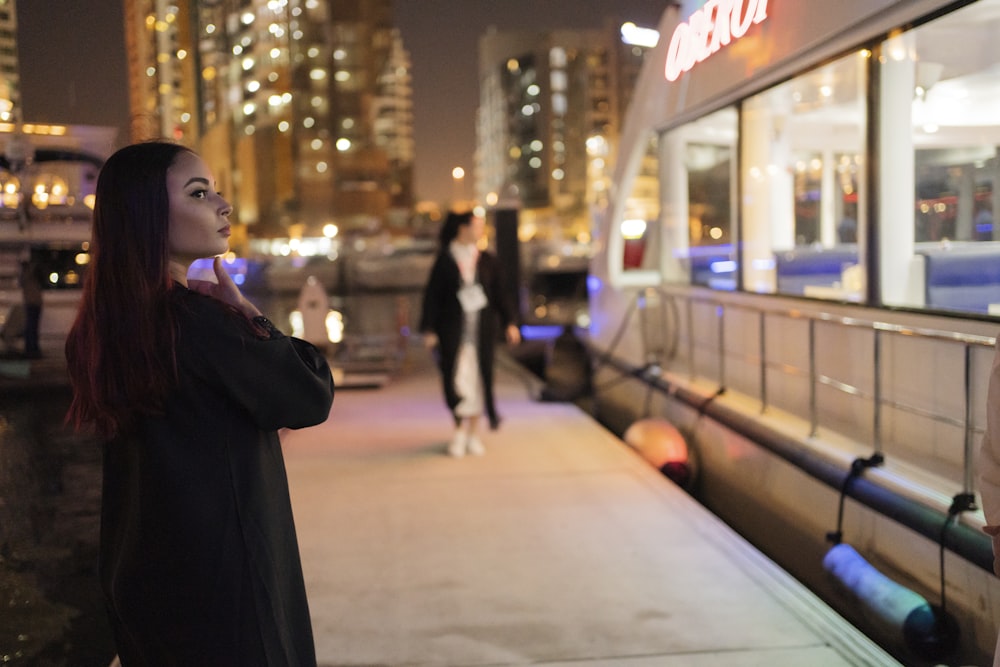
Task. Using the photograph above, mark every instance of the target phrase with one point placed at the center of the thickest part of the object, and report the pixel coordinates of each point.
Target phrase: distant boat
(282, 275)
(391, 268)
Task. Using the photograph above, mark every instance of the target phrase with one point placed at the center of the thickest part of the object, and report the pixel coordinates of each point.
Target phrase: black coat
(199, 557)
(442, 315)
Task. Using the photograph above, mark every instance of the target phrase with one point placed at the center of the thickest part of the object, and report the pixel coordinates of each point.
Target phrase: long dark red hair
(120, 350)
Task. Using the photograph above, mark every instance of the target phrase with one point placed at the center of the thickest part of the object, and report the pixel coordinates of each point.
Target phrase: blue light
(540, 331)
(725, 266)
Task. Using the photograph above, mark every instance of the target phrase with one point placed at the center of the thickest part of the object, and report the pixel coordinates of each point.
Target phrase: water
(51, 611)
(51, 608)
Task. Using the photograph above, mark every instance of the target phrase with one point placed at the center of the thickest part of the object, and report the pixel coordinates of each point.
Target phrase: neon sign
(715, 25)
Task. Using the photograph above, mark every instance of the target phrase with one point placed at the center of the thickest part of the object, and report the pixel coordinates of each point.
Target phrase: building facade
(10, 79)
(302, 107)
(551, 108)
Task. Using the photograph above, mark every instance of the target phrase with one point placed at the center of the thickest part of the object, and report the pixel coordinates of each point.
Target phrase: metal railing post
(762, 344)
(690, 323)
(877, 393)
(720, 316)
(813, 410)
(969, 440)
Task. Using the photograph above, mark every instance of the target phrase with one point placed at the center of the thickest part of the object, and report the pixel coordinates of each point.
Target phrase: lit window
(801, 235)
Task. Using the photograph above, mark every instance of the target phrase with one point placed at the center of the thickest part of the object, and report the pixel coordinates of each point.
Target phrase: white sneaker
(456, 448)
(476, 446)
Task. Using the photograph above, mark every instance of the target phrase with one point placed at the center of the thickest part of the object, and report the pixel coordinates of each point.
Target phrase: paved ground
(560, 546)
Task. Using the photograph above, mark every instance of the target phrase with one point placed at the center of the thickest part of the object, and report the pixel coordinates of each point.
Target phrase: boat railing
(879, 330)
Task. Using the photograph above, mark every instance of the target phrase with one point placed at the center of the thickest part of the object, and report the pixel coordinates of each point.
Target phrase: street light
(458, 176)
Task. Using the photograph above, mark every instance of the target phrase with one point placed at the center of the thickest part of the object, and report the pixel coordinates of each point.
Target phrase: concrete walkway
(559, 546)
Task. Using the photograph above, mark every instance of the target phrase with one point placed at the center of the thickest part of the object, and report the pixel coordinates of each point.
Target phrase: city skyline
(441, 35)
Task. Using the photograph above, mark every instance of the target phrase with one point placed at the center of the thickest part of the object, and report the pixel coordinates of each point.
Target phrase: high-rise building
(301, 107)
(10, 78)
(551, 107)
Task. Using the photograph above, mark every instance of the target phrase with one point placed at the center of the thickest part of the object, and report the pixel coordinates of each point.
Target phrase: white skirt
(468, 382)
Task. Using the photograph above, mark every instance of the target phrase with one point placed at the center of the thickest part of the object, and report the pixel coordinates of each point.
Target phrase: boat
(810, 296)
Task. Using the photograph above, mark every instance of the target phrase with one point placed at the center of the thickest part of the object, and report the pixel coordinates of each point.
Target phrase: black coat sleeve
(281, 382)
(492, 276)
(434, 296)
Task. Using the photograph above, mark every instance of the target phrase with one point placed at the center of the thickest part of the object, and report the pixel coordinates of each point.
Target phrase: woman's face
(472, 232)
(199, 216)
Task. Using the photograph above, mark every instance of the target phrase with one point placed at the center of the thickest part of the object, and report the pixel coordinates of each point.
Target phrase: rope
(858, 466)
(962, 502)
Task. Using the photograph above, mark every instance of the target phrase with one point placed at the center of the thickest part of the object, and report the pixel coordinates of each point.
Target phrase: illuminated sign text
(715, 25)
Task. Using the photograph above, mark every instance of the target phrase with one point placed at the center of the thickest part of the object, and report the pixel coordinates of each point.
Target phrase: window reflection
(803, 217)
(713, 261)
(940, 245)
(697, 181)
(640, 224)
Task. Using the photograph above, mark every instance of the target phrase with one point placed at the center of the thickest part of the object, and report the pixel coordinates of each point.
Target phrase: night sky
(73, 65)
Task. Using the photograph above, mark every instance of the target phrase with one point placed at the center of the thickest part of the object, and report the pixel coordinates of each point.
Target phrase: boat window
(697, 180)
(940, 247)
(803, 214)
(639, 229)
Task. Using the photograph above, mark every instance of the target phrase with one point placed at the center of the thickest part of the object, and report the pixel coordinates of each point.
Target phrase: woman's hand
(513, 334)
(430, 340)
(225, 290)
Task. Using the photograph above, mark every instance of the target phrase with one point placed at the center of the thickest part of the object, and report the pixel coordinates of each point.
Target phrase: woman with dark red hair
(187, 384)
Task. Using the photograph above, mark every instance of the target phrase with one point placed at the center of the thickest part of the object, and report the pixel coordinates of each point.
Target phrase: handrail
(878, 329)
(964, 540)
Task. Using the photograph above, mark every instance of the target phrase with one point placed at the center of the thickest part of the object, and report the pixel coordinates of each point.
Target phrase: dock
(560, 546)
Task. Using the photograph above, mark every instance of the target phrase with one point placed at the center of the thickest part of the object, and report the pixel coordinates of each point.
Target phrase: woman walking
(462, 308)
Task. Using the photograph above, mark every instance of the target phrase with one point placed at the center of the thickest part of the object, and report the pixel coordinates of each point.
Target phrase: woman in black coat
(463, 306)
(187, 384)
